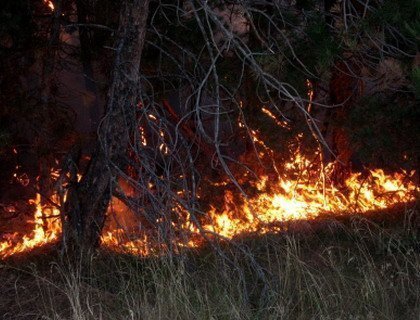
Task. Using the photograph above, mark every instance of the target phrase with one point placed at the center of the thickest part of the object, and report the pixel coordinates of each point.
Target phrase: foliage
(385, 133)
(401, 20)
(415, 78)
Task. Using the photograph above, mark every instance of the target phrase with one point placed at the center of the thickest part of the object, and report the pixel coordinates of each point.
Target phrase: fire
(298, 194)
(297, 199)
(282, 124)
(50, 4)
(300, 190)
(46, 229)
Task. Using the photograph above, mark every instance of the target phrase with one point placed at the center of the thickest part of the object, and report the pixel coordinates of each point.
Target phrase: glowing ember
(282, 124)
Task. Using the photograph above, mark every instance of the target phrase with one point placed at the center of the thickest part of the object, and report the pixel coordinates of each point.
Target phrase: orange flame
(298, 194)
(46, 229)
(50, 4)
(301, 191)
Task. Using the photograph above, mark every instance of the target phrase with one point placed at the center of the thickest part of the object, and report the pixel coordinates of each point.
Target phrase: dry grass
(356, 269)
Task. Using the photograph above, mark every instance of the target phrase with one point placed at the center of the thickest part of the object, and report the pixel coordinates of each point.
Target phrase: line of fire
(149, 129)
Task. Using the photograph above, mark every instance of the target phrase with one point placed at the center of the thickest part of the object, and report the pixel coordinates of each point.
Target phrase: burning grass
(301, 192)
(299, 189)
(356, 268)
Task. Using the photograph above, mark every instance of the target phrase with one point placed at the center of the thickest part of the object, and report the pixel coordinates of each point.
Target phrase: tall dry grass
(352, 270)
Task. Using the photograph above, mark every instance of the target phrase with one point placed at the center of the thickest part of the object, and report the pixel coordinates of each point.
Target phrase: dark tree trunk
(85, 208)
(93, 104)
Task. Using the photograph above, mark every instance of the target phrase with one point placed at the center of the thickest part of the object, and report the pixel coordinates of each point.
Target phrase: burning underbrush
(303, 190)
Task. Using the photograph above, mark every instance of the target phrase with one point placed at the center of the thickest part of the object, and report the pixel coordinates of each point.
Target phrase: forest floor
(337, 268)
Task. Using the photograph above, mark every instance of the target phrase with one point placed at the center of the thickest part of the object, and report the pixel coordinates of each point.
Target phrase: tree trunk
(87, 201)
(93, 103)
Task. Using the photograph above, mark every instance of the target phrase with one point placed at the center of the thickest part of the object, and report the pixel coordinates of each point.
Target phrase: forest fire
(298, 194)
(302, 189)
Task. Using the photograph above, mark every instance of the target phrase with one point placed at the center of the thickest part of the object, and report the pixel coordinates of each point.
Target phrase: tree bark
(93, 103)
(88, 199)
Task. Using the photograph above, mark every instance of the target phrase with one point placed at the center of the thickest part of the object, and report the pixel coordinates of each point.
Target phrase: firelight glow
(50, 4)
(298, 194)
(302, 191)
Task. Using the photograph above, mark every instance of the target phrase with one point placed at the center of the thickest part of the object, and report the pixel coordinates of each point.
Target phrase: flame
(46, 229)
(303, 197)
(50, 4)
(298, 194)
(282, 124)
(301, 190)
(292, 199)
